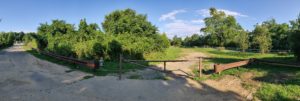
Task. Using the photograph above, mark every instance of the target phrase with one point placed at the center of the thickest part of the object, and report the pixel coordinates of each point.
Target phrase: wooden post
(216, 67)
(200, 67)
(120, 66)
(164, 66)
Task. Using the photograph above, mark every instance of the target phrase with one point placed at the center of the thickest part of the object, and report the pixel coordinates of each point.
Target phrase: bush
(89, 50)
(295, 43)
(131, 35)
(6, 39)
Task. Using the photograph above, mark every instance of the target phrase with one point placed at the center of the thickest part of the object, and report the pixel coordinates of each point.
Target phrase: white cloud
(197, 21)
(233, 13)
(181, 29)
(171, 15)
(205, 13)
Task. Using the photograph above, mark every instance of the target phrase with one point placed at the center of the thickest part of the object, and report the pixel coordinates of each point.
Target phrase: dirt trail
(226, 83)
(184, 68)
(26, 78)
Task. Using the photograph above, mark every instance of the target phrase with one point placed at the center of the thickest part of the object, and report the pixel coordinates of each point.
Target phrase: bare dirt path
(26, 78)
(184, 68)
(225, 84)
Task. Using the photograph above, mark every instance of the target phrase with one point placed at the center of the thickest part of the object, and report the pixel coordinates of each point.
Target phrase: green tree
(262, 37)
(295, 43)
(176, 41)
(220, 28)
(294, 37)
(87, 31)
(128, 21)
(135, 34)
(243, 40)
(6, 39)
(279, 34)
(165, 41)
(194, 40)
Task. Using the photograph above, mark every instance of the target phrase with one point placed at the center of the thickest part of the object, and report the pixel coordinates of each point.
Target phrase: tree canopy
(220, 28)
(262, 37)
(279, 34)
(7, 39)
(128, 22)
(294, 38)
(125, 32)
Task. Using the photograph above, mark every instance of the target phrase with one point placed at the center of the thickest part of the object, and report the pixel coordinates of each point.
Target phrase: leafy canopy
(262, 37)
(220, 28)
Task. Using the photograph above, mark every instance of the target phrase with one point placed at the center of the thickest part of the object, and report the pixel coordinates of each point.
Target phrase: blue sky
(175, 17)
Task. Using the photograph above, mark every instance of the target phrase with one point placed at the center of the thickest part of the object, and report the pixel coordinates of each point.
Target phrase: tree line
(129, 33)
(8, 38)
(223, 30)
(124, 32)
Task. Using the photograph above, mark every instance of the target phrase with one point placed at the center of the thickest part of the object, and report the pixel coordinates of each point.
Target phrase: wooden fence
(91, 64)
(136, 62)
(218, 68)
(277, 63)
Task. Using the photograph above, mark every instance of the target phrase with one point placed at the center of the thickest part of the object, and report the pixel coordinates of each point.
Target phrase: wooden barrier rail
(91, 64)
(218, 68)
(277, 63)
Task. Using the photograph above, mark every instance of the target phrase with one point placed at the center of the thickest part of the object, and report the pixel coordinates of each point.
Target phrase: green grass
(169, 54)
(277, 82)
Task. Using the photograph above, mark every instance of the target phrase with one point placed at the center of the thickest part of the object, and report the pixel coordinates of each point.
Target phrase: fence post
(217, 69)
(164, 66)
(96, 65)
(200, 67)
(120, 66)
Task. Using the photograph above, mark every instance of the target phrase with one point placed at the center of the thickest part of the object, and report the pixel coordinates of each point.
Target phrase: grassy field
(277, 83)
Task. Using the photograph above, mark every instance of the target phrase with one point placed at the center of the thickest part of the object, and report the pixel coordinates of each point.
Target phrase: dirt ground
(26, 78)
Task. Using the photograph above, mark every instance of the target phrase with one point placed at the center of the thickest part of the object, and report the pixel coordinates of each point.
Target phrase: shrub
(295, 43)
(6, 39)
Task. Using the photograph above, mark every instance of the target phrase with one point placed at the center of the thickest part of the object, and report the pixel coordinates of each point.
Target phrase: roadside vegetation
(7, 39)
(134, 39)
